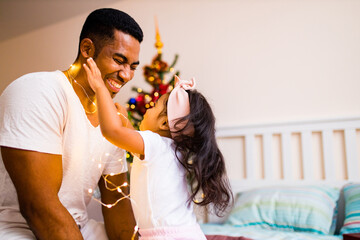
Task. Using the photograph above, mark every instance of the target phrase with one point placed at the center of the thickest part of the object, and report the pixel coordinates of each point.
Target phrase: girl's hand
(93, 74)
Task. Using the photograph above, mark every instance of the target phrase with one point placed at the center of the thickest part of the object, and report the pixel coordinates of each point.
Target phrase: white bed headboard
(309, 152)
(270, 149)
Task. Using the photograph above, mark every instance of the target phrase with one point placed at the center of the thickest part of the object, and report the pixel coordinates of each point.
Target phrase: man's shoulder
(37, 82)
(36, 87)
(34, 77)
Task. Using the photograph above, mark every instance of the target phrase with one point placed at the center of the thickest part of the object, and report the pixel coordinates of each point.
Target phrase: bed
(291, 181)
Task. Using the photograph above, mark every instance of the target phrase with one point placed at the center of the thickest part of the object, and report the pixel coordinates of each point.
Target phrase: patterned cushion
(352, 208)
(296, 208)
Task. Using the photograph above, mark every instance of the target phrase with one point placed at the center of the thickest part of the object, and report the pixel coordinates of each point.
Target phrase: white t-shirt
(158, 186)
(41, 112)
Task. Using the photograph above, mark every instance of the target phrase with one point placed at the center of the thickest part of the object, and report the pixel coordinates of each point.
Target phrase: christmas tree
(160, 76)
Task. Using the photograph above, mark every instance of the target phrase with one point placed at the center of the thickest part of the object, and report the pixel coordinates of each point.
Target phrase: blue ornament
(132, 101)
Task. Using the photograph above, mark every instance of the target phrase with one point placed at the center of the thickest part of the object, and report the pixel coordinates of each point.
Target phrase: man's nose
(125, 73)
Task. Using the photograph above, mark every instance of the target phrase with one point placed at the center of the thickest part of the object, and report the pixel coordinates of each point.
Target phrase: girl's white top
(158, 186)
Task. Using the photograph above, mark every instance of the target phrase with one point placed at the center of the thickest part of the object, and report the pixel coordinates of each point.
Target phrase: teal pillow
(352, 208)
(296, 208)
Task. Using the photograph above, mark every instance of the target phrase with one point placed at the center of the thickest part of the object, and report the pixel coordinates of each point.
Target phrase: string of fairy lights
(110, 186)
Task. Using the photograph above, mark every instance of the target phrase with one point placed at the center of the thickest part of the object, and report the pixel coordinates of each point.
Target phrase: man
(53, 154)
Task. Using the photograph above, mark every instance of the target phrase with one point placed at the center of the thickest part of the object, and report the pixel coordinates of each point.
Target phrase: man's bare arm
(37, 178)
(119, 220)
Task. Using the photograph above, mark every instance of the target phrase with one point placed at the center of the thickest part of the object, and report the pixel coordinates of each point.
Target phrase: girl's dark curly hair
(201, 157)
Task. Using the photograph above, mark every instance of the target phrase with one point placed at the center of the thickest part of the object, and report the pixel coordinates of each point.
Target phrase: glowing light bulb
(112, 174)
(107, 154)
(148, 98)
(99, 165)
(90, 190)
(119, 189)
(139, 90)
(156, 94)
(125, 184)
(108, 205)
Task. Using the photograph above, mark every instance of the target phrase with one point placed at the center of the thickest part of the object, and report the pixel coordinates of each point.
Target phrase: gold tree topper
(158, 43)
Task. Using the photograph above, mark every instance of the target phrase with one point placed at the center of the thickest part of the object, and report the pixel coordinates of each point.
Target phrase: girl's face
(155, 117)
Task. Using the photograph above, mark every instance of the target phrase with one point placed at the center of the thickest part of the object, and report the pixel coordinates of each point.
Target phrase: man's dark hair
(99, 26)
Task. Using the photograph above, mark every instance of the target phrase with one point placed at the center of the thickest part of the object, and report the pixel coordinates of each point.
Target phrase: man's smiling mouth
(114, 85)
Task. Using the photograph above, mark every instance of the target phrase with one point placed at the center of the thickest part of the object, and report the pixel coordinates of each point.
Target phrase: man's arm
(37, 178)
(119, 220)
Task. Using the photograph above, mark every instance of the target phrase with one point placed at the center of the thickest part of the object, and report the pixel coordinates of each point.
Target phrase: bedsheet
(261, 234)
(222, 237)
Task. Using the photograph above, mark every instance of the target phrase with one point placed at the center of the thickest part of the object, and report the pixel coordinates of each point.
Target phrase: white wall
(256, 61)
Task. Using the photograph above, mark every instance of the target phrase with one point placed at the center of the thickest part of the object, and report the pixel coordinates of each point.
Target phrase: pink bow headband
(178, 105)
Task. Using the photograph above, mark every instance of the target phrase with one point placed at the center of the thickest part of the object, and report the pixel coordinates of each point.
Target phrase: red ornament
(140, 98)
(163, 88)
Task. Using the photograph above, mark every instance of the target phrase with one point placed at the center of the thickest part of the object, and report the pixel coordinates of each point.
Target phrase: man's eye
(134, 67)
(118, 61)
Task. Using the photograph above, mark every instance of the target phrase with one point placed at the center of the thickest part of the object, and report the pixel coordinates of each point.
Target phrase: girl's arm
(110, 124)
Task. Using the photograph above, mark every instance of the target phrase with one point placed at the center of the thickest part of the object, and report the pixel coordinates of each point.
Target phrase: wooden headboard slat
(267, 156)
(286, 155)
(351, 156)
(327, 150)
(249, 154)
(306, 150)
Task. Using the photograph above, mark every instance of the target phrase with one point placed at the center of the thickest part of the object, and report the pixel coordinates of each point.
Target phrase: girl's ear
(87, 48)
(164, 125)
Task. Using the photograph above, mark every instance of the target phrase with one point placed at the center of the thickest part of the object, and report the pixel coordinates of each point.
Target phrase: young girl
(176, 148)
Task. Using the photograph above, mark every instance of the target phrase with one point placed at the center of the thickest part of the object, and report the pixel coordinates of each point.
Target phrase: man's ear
(164, 125)
(87, 48)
